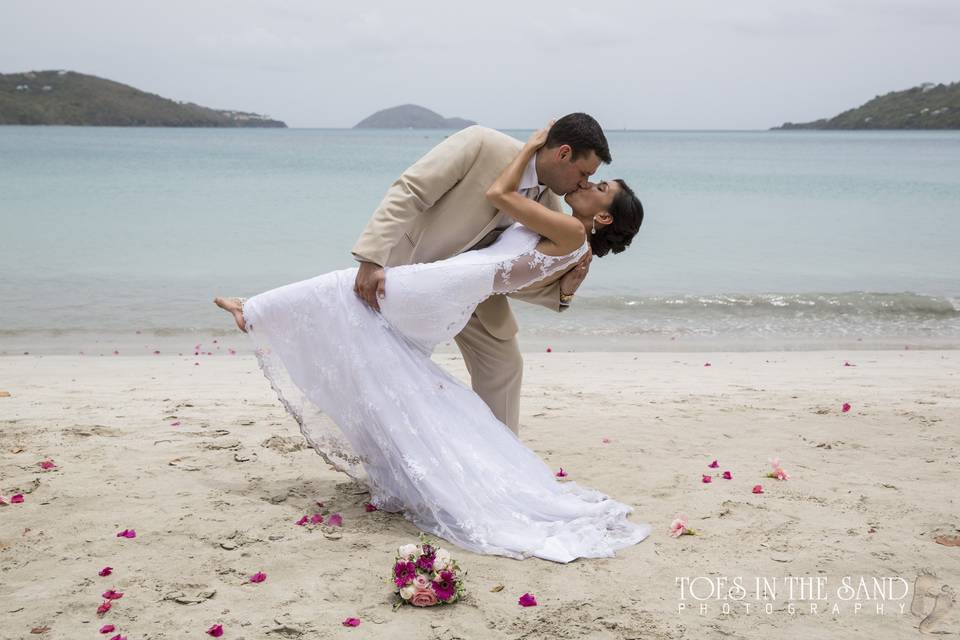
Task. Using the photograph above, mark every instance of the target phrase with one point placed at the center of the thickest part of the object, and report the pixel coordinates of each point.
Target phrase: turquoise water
(751, 239)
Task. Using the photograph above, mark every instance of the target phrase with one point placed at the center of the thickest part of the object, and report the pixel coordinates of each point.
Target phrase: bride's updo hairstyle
(627, 213)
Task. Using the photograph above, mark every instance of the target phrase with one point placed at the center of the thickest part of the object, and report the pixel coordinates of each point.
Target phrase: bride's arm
(565, 231)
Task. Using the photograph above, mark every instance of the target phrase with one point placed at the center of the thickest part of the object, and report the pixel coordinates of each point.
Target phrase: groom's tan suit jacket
(438, 208)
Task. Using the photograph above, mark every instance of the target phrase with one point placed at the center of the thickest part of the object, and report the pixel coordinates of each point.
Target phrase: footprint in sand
(923, 587)
(941, 609)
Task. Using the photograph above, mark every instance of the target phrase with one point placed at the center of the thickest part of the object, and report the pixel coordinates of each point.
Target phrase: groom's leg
(496, 370)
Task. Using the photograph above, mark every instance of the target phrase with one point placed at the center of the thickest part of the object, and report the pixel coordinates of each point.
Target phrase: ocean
(117, 239)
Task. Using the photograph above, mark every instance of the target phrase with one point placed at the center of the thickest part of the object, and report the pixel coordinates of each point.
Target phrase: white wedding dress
(373, 404)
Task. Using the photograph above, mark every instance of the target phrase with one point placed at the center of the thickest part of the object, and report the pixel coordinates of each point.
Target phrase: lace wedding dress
(369, 399)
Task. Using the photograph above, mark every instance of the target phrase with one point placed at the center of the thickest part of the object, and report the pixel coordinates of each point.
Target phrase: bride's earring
(593, 229)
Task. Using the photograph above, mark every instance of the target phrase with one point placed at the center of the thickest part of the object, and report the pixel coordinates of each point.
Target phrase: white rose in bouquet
(441, 559)
(408, 550)
(407, 592)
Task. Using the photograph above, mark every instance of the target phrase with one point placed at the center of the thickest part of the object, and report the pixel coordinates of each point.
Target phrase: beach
(197, 456)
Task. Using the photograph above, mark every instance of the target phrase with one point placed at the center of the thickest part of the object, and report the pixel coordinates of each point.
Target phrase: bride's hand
(539, 138)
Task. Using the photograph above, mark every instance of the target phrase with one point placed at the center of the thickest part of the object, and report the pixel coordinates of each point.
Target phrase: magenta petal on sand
(561, 473)
(127, 533)
(105, 571)
(46, 464)
(110, 594)
(259, 576)
(706, 479)
(727, 475)
(335, 520)
(107, 628)
(316, 518)
(216, 630)
(302, 521)
(846, 407)
(16, 498)
(351, 622)
(707, 364)
(369, 507)
(104, 607)
(175, 424)
(758, 488)
(527, 600)
(714, 464)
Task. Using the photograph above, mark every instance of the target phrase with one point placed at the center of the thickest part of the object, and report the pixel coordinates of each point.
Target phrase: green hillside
(927, 106)
(70, 98)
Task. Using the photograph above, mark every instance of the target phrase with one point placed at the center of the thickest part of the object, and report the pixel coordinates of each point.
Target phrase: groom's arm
(420, 186)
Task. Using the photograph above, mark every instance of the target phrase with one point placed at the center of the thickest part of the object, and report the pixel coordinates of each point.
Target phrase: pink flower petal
(316, 518)
(110, 594)
(727, 475)
(549, 350)
(369, 507)
(16, 498)
(846, 407)
(758, 488)
(319, 504)
(561, 473)
(104, 607)
(335, 520)
(302, 521)
(105, 571)
(118, 637)
(107, 628)
(714, 464)
(127, 533)
(175, 424)
(706, 479)
(607, 441)
(46, 464)
(707, 364)
(527, 600)
(847, 364)
(351, 622)
(216, 630)
(259, 576)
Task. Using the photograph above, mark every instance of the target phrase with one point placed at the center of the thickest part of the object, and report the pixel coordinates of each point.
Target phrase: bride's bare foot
(234, 306)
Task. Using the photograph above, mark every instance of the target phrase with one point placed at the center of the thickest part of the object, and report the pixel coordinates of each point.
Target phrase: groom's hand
(369, 284)
(572, 279)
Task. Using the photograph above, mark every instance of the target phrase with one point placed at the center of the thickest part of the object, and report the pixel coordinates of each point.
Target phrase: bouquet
(425, 575)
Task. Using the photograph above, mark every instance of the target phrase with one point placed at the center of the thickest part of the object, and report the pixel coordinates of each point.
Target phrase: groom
(437, 208)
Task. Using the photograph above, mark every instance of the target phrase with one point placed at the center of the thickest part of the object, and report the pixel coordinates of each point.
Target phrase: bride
(372, 403)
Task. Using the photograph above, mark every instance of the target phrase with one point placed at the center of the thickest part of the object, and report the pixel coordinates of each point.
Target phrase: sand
(214, 499)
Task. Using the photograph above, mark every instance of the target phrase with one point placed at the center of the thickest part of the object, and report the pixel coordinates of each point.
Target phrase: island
(411, 116)
(926, 106)
(69, 98)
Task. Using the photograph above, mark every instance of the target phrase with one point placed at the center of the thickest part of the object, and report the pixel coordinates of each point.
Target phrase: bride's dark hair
(627, 213)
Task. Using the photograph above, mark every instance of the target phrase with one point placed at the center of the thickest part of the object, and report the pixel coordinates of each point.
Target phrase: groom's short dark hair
(582, 133)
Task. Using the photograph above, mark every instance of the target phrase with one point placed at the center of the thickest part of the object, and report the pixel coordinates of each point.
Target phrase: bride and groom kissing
(474, 221)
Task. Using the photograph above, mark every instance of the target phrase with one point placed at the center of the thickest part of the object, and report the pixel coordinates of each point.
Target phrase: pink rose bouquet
(425, 575)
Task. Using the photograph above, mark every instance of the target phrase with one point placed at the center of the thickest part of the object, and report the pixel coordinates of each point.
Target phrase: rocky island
(411, 116)
(927, 106)
(71, 98)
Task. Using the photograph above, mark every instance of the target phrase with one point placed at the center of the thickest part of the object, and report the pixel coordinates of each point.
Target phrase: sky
(678, 64)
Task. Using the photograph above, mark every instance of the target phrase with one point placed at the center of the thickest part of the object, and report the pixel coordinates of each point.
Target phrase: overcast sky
(670, 64)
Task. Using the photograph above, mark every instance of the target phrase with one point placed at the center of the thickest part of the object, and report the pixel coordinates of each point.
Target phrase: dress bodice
(430, 303)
